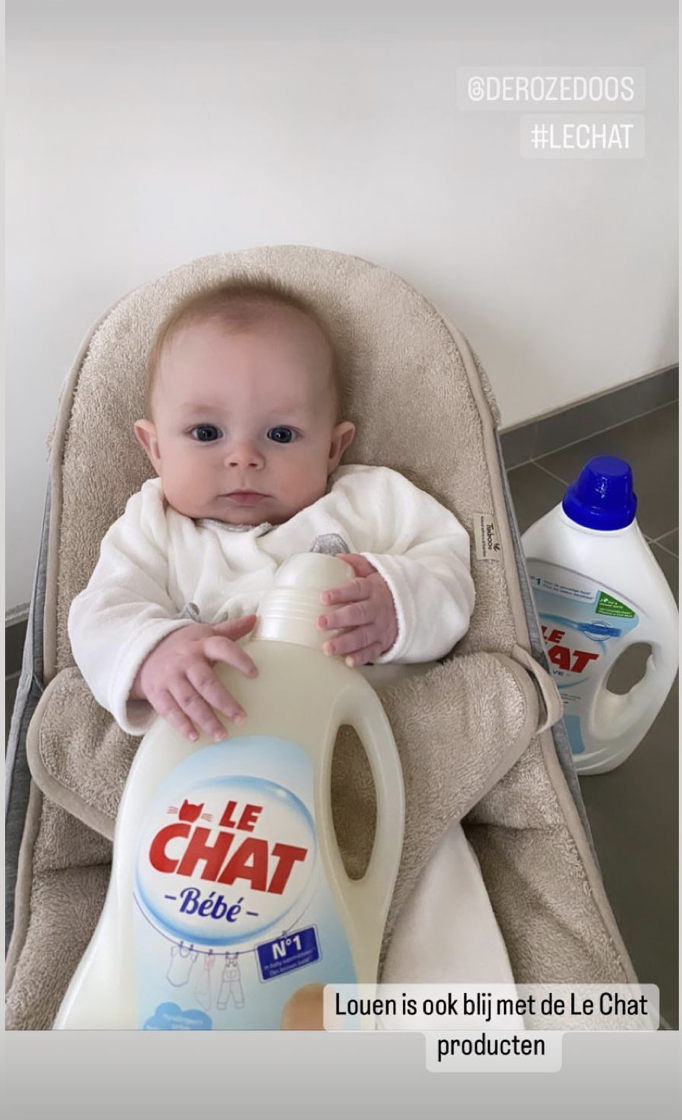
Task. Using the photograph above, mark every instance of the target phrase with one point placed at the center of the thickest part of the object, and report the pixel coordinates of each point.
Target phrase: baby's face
(243, 426)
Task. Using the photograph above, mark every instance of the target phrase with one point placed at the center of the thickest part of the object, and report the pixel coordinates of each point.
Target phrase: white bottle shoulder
(619, 559)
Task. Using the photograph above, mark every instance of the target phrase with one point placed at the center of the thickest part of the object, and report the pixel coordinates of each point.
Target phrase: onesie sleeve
(125, 610)
(423, 553)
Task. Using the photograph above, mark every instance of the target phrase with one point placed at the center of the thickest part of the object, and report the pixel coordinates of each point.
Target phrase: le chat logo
(571, 660)
(234, 854)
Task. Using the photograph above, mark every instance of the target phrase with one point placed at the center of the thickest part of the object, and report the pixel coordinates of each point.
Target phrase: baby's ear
(145, 431)
(342, 436)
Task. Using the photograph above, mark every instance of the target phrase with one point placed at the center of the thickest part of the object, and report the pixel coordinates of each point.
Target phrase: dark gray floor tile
(571, 424)
(633, 814)
(655, 474)
(604, 411)
(15, 636)
(534, 493)
(670, 542)
(518, 445)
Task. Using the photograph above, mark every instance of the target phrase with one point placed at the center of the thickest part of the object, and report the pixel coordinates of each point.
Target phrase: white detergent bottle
(599, 590)
(228, 894)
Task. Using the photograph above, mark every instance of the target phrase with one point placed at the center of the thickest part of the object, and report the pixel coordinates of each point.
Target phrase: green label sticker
(606, 604)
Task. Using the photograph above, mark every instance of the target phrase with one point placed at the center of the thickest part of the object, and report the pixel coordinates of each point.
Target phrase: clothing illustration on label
(183, 959)
(202, 990)
(227, 864)
(231, 983)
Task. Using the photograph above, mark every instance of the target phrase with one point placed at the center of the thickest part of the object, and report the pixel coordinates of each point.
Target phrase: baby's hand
(369, 620)
(177, 677)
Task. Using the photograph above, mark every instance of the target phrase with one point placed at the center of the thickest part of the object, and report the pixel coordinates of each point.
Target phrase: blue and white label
(298, 949)
(583, 625)
(230, 891)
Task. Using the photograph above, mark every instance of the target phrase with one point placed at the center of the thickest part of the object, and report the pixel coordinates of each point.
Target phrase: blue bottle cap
(602, 496)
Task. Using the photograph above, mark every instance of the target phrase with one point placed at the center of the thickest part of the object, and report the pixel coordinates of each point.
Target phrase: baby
(245, 434)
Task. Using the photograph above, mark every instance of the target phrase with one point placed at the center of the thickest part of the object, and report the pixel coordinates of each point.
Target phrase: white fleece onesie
(156, 564)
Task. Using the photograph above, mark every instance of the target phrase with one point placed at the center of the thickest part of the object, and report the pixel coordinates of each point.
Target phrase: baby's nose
(244, 454)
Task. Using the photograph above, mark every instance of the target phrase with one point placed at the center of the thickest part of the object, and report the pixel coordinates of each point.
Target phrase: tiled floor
(633, 811)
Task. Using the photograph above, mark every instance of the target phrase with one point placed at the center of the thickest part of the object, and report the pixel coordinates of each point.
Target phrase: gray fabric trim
(29, 691)
(558, 731)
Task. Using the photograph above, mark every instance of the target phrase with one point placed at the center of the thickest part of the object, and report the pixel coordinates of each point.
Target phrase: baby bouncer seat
(479, 734)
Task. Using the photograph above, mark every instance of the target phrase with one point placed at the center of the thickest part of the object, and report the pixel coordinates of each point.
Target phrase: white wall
(140, 137)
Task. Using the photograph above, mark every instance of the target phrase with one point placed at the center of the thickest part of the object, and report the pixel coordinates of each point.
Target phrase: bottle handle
(375, 890)
(615, 715)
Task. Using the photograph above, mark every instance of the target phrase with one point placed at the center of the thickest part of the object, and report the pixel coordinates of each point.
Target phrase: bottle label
(232, 910)
(582, 627)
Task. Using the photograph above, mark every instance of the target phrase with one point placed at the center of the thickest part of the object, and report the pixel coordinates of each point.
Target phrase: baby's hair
(240, 304)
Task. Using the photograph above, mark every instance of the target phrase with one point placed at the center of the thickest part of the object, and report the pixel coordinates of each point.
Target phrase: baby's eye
(282, 434)
(206, 433)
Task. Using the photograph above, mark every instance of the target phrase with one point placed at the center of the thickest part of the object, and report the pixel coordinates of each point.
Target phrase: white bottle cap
(289, 612)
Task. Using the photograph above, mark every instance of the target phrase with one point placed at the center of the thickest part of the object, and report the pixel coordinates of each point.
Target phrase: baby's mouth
(245, 497)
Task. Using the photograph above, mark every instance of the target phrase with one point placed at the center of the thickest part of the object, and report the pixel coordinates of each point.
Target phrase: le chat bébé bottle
(599, 590)
(229, 904)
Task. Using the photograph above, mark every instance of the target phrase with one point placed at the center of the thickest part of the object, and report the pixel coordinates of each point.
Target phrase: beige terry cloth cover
(466, 730)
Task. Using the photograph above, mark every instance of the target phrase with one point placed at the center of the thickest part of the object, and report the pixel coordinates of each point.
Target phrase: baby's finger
(167, 707)
(235, 628)
(363, 656)
(356, 614)
(194, 705)
(225, 650)
(350, 642)
(214, 693)
(351, 592)
(360, 564)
